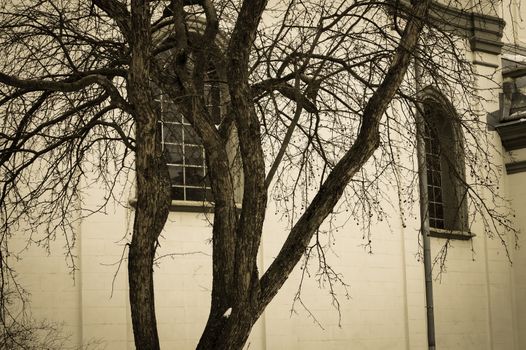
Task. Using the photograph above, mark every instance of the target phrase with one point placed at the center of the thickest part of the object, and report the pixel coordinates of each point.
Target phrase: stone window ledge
(189, 206)
(451, 234)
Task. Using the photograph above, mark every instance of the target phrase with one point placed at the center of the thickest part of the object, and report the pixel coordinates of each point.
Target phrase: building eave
(512, 134)
(484, 32)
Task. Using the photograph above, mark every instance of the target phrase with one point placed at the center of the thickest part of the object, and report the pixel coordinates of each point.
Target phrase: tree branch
(67, 85)
(119, 13)
(254, 191)
(364, 146)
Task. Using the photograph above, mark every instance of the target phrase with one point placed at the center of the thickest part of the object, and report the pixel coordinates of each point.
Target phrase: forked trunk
(226, 333)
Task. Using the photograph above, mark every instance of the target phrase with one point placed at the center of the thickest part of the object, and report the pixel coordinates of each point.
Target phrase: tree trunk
(140, 276)
(153, 183)
(227, 333)
(153, 200)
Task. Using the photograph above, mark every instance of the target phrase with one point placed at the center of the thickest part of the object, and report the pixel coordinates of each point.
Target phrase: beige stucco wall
(474, 307)
(512, 11)
(517, 189)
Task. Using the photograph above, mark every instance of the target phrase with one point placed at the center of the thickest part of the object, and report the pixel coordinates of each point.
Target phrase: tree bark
(153, 183)
(153, 200)
(224, 243)
(227, 333)
(234, 299)
(151, 213)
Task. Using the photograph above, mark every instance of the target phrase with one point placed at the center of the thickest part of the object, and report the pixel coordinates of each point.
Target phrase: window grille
(446, 192)
(434, 179)
(185, 159)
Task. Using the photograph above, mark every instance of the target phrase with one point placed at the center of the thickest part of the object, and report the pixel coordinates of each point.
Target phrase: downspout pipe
(424, 217)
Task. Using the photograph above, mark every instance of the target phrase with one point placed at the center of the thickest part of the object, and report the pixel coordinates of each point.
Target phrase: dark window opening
(447, 209)
(184, 150)
(434, 179)
(186, 160)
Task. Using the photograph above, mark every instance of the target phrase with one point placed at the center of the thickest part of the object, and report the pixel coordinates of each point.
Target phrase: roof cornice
(484, 32)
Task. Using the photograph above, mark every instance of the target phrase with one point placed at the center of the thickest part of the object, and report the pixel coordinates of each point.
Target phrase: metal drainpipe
(424, 224)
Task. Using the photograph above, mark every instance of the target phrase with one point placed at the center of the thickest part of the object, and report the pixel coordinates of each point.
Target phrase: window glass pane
(439, 211)
(194, 194)
(194, 176)
(174, 153)
(184, 151)
(178, 193)
(198, 194)
(429, 177)
(437, 195)
(173, 133)
(194, 155)
(434, 182)
(169, 114)
(437, 174)
(176, 174)
(184, 121)
(432, 210)
(190, 136)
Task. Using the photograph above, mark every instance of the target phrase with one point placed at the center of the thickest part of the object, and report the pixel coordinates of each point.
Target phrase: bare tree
(325, 86)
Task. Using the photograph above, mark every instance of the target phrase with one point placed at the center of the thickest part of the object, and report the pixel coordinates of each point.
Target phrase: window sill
(450, 234)
(189, 206)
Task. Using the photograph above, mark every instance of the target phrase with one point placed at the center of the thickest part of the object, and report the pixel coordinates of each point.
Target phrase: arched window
(184, 150)
(444, 163)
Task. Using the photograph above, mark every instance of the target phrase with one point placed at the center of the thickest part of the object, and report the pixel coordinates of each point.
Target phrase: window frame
(216, 70)
(182, 161)
(216, 100)
(214, 96)
(446, 203)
